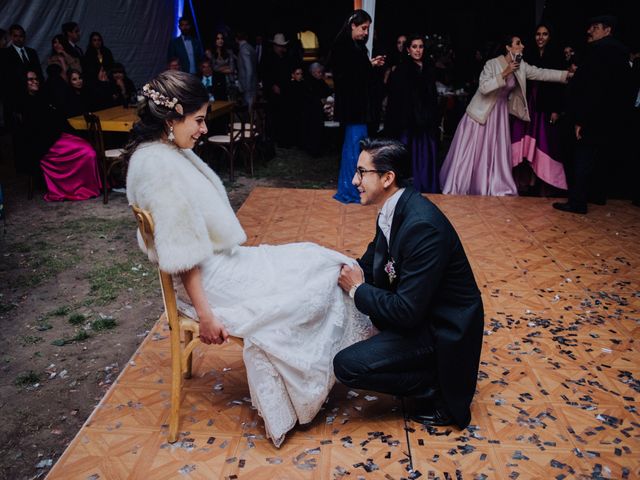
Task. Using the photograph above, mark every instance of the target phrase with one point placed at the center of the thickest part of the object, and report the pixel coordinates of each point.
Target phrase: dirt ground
(77, 297)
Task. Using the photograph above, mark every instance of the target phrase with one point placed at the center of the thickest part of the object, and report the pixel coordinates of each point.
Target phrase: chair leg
(176, 386)
(105, 191)
(188, 336)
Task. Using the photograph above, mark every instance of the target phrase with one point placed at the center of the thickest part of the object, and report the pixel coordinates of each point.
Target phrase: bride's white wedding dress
(285, 303)
(283, 300)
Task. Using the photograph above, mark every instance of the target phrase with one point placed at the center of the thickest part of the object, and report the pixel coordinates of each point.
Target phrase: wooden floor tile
(559, 379)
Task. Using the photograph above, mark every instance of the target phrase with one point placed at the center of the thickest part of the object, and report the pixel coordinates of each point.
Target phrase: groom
(416, 285)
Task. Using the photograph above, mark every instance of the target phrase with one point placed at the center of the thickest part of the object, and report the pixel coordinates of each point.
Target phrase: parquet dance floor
(558, 385)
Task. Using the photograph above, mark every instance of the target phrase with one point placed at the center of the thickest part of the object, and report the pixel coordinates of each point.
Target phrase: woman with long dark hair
(224, 69)
(412, 113)
(479, 160)
(96, 57)
(283, 300)
(535, 145)
(352, 74)
(60, 55)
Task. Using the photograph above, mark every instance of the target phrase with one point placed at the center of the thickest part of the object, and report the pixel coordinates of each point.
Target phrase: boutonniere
(390, 269)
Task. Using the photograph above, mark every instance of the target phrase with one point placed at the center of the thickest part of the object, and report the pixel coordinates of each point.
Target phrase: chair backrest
(95, 132)
(146, 228)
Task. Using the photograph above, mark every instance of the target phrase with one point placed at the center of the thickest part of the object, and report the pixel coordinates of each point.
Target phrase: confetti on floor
(558, 384)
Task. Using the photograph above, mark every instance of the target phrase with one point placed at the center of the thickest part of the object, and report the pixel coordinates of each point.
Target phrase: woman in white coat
(479, 159)
(283, 300)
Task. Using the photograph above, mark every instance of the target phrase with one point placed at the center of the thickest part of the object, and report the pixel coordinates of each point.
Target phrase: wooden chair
(107, 158)
(180, 326)
(252, 131)
(229, 142)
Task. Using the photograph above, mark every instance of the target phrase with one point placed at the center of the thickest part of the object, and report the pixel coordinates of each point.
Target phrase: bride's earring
(171, 137)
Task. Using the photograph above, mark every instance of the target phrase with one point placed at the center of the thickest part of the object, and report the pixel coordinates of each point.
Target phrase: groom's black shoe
(432, 416)
(568, 207)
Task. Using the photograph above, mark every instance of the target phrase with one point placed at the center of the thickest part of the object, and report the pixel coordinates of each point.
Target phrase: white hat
(278, 39)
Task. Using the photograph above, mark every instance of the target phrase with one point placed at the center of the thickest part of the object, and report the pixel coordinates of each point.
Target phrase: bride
(283, 300)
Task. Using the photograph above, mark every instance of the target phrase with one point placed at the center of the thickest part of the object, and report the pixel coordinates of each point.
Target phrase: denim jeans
(388, 363)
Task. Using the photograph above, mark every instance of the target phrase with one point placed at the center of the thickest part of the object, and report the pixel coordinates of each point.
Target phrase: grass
(30, 340)
(26, 378)
(76, 319)
(80, 336)
(106, 323)
(43, 325)
(293, 165)
(60, 311)
(108, 281)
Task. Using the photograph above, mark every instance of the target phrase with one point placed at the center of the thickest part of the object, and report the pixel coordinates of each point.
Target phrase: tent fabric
(136, 31)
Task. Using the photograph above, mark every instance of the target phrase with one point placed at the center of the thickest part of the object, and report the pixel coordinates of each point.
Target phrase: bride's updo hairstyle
(172, 95)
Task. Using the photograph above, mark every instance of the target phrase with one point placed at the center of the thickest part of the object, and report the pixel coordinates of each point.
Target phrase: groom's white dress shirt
(385, 219)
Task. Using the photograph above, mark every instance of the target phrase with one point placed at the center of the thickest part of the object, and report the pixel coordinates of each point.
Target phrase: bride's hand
(212, 331)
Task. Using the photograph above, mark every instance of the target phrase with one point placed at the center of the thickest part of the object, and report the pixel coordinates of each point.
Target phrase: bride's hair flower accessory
(389, 268)
(162, 100)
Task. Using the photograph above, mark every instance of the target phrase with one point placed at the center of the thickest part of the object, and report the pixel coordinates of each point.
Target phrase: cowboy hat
(278, 39)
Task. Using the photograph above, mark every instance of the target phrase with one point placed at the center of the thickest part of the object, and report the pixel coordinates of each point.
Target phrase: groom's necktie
(24, 57)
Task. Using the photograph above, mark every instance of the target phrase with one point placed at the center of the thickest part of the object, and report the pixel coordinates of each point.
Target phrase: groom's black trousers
(389, 363)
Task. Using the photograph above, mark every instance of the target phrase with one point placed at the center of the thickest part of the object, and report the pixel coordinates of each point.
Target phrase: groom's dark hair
(387, 155)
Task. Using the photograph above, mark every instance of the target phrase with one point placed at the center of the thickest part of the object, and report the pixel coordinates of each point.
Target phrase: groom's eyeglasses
(361, 171)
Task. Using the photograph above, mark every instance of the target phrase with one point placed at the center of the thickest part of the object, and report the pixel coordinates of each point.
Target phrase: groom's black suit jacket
(434, 296)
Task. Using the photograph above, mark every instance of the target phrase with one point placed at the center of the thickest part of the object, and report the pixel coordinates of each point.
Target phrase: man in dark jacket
(416, 285)
(186, 47)
(600, 101)
(17, 60)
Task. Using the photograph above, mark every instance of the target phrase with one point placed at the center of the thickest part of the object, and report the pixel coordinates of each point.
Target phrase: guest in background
(276, 73)
(186, 47)
(47, 143)
(397, 55)
(207, 78)
(56, 89)
(60, 55)
(316, 82)
(295, 103)
(223, 63)
(353, 77)
(535, 145)
(174, 64)
(96, 56)
(78, 100)
(479, 160)
(601, 97)
(247, 69)
(71, 31)
(122, 86)
(412, 114)
(18, 59)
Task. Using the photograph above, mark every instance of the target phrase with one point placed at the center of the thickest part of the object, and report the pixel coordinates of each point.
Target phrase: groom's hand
(350, 276)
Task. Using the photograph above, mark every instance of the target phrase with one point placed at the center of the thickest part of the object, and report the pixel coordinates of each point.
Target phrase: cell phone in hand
(518, 58)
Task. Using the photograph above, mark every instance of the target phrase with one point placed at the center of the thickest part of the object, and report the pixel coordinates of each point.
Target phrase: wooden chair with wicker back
(180, 326)
(107, 158)
(229, 142)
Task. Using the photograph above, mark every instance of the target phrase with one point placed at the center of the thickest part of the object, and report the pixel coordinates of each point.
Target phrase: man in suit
(186, 47)
(600, 101)
(247, 69)
(206, 77)
(17, 60)
(71, 30)
(416, 285)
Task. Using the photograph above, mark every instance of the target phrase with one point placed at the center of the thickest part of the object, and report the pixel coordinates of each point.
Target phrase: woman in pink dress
(535, 145)
(479, 160)
(68, 162)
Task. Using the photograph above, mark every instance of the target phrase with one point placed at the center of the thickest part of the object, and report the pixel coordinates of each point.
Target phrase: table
(120, 119)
